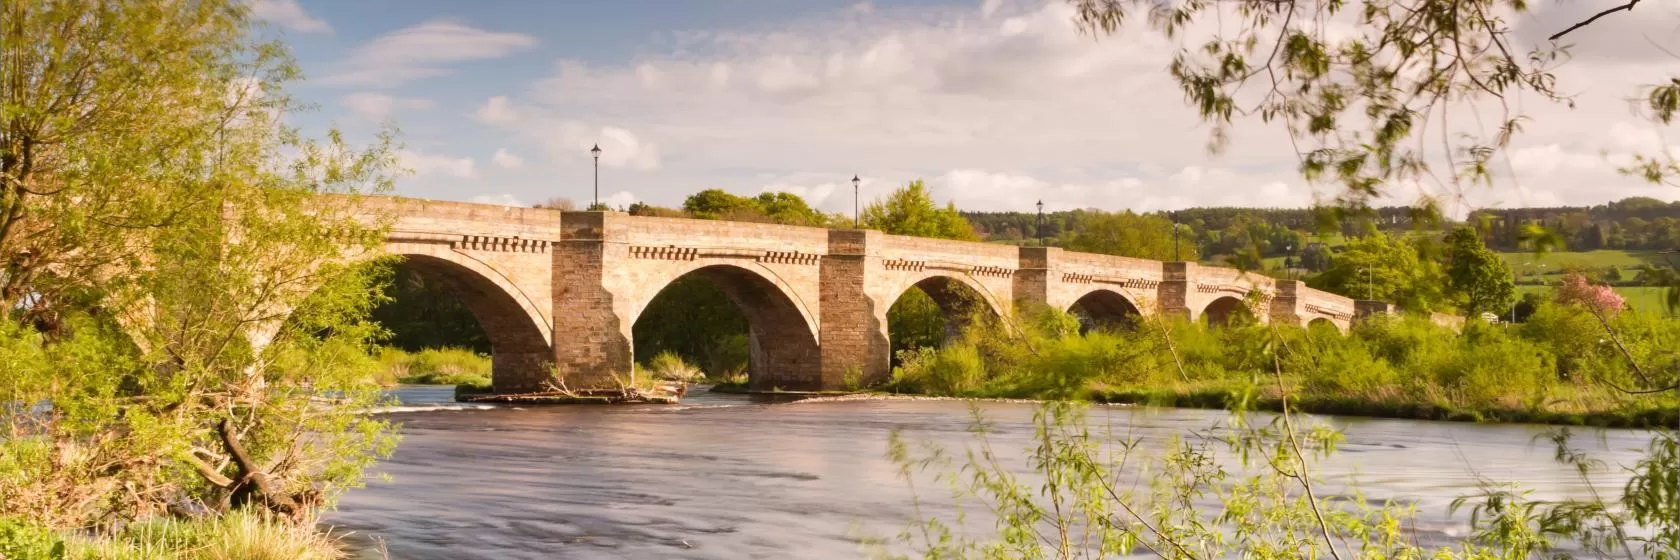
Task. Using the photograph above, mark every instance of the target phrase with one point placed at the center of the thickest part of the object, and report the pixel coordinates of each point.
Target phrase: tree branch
(1628, 7)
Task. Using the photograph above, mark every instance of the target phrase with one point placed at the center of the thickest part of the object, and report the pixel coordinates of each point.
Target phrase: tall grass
(433, 366)
(669, 366)
(1549, 370)
(242, 535)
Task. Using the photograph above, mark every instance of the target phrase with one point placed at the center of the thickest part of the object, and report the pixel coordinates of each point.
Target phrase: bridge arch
(1103, 307)
(782, 332)
(957, 300)
(519, 333)
(1225, 311)
(1325, 323)
(956, 294)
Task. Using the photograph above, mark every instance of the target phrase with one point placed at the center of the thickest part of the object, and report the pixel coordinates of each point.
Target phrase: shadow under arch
(955, 304)
(519, 345)
(1228, 311)
(1324, 324)
(782, 351)
(1105, 309)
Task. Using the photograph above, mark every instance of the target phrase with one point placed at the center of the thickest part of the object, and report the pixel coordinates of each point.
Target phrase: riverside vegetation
(184, 337)
(1559, 367)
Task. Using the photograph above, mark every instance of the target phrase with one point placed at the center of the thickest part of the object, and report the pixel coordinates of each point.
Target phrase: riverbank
(234, 535)
(1560, 368)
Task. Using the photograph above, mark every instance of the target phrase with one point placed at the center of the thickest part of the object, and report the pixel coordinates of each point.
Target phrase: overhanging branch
(1627, 7)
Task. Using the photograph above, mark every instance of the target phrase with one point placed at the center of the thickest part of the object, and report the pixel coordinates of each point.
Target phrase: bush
(23, 541)
(434, 366)
(953, 370)
(669, 366)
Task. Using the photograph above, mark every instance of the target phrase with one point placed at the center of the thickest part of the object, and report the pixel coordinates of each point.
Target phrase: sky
(996, 104)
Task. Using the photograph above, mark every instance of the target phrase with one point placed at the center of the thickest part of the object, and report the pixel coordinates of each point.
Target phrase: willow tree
(183, 324)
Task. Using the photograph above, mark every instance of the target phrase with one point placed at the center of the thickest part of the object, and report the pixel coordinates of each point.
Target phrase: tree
(1357, 102)
(911, 211)
(1381, 267)
(1130, 235)
(714, 204)
(1479, 278)
(788, 208)
(1577, 291)
(176, 285)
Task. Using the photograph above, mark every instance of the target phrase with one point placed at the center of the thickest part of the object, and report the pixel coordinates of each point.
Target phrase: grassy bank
(433, 366)
(1558, 368)
(237, 535)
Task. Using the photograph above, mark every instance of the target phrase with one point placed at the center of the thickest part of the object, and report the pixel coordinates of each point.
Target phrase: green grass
(434, 366)
(1644, 299)
(239, 534)
(1556, 261)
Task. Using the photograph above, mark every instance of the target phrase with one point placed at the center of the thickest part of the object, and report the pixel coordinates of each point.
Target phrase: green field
(1645, 299)
(1555, 262)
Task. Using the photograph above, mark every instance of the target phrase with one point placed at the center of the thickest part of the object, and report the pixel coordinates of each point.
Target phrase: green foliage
(1478, 277)
(27, 542)
(911, 211)
(697, 321)
(421, 313)
(242, 535)
(1380, 267)
(770, 207)
(144, 187)
(914, 321)
(1383, 366)
(1131, 235)
(669, 366)
(434, 366)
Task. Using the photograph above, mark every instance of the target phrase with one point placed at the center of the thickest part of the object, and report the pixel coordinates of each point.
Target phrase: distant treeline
(1638, 223)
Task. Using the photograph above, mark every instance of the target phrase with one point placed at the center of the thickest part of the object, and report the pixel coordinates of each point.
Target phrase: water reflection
(723, 476)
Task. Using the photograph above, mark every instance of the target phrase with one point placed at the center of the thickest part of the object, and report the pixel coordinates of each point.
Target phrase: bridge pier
(1286, 304)
(1032, 279)
(854, 328)
(1173, 295)
(591, 342)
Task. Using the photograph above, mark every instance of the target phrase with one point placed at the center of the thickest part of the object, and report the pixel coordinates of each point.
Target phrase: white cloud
(997, 104)
(288, 14)
(496, 110)
(431, 164)
(377, 106)
(505, 160)
(422, 51)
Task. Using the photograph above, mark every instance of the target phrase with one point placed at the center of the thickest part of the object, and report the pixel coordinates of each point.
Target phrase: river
(730, 476)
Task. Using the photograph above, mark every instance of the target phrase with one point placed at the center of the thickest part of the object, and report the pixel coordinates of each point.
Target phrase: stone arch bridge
(558, 292)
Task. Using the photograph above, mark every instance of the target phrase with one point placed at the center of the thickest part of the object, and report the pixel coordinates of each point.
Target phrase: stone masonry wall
(561, 292)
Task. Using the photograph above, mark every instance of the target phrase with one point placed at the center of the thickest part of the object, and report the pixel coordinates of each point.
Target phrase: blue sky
(995, 103)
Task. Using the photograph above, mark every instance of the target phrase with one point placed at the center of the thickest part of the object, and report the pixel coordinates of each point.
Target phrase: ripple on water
(731, 478)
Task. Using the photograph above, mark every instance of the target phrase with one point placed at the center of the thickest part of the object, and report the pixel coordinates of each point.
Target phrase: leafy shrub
(952, 370)
(435, 366)
(23, 541)
(669, 366)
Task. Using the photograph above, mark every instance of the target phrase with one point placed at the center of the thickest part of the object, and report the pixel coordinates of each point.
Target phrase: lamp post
(596, 151)
(855, 183)
(1040, 229)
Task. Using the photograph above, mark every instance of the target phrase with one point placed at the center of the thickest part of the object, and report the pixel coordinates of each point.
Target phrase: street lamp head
(1040, 206)
(596, 151)
(856, 181)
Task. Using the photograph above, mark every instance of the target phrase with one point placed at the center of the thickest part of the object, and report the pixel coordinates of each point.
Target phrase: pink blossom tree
(1601, 300)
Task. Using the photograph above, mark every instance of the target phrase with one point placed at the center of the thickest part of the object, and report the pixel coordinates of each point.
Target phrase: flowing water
(726, 476)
